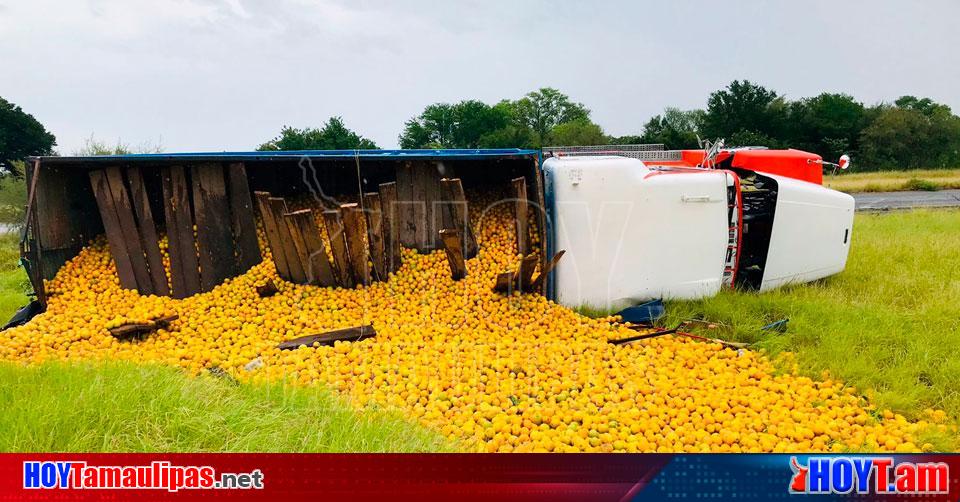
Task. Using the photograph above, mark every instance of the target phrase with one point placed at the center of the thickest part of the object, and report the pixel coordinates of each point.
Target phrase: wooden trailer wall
(132, 199)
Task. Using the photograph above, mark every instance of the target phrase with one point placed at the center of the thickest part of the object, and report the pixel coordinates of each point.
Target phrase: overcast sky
(211, 75)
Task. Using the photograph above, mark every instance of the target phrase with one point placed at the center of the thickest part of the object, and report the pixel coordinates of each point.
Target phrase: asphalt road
(882, 201)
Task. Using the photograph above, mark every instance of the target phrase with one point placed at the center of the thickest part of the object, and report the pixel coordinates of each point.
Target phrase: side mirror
(844, 161)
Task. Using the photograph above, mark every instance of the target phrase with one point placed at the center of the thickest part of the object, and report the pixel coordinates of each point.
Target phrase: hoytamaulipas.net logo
(868, 475)
(158, 475)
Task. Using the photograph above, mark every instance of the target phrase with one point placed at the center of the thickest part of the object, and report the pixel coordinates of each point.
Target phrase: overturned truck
(632, 229)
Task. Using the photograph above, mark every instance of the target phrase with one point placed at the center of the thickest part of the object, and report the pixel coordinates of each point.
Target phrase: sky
(226, 75)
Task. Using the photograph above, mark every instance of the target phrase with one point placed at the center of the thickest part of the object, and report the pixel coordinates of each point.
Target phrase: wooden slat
(452, 245)
(540, 281)
(133, 330)
(279, 208)
(524, 274)
(460, 218)
(300, 248)
(148, 232)
(211, 213)
(433, 204)
(131, 234)
(352, 217)
(319, 271)
(405, 204)
(273, 235)
(391, 227)
(505, 282)
(520, 215)
(374, 215)
(184, 267)
(111, 226)
(338, 248)
(341, 335)
(242, 220)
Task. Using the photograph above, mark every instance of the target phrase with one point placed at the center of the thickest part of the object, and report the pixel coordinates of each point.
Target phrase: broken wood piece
(338, 247)
(453, 247)
(455, 197)
(273, 234)
(131, 330)
(352, 217)
(541, 278)
(504, 283)
(296, 266)
(267, 289)
(520, 206)
(111, 226)
(318, 270)
(341, 335)
(522, 280)
(372, 211)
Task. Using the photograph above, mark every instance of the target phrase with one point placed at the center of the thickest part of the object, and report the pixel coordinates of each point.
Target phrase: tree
(333, 136)
(828, 124)
(912, 133)
(467, 124)
(744, 106)
(543, 110)
(578, 132)
(21, 136)
(675, 129)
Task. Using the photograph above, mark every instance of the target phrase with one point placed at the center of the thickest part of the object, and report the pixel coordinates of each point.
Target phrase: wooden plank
(391, 226)
(184, 267)
(319, 271)
(423, 241)
(111, 226)
(133, 330)
(405, 204)
(296, 266)
(300, 248)
(433, 204)
(267, 289)
(520, 215)
(539, 283)
(352, 217)
(505, 282)
(341, 335)
(242, 221)
(454, 195)
(374, 214)
(148, 232)
(211, 213)
(273, 235)
(528, 265)
(452, 245)
(338, 247)
(128, 224)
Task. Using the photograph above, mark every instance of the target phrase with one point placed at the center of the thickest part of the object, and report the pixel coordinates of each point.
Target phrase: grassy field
(889, 324)
(893, 181)
(128, 408)
(13, 280)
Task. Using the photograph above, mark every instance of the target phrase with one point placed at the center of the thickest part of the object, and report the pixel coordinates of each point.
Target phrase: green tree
(828, 124)
(334, 135)
(467, 124)
(543, 110)
(578, 132)
(675, 129)
(744, 106)
(911, 133)
(21, 136)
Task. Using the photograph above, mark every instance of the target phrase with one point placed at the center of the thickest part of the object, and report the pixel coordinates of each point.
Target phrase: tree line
(908, 133)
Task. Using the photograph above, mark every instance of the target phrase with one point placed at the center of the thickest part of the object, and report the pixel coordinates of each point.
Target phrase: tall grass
(14, 285)
(122, 407)
(889, 324)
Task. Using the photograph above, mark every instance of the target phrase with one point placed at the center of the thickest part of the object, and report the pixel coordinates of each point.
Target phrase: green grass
(117, 407)
(889, 324)
(893, 181)
(14, 285)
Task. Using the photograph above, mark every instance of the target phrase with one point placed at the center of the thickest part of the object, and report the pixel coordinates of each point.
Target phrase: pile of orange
(494, 372)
